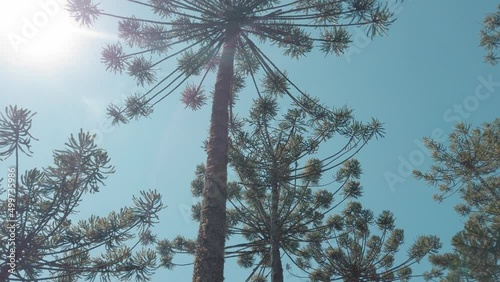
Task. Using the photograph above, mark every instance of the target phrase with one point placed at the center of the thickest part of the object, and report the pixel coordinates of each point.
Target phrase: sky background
(418, 80)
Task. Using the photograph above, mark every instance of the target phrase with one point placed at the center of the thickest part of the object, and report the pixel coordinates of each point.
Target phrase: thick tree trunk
(209, 260)
(276, 267)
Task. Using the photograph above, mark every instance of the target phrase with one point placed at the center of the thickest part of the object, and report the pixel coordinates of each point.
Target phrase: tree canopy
(468, 166)
(43, 243)
(356, 253)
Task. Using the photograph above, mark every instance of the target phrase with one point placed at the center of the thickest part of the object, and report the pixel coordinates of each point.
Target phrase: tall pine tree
(219, 35)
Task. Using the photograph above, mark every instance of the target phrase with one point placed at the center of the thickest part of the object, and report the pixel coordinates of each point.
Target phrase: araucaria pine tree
(42, 243)
(222, 35)
(469, 165)
(357, 253)
(277, 202)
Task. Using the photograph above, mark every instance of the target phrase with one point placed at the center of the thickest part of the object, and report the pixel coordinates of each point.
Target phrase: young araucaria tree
(277, 203)
(41, 242)
(222, 35)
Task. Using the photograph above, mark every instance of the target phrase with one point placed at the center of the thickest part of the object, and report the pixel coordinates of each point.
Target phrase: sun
(38, 33)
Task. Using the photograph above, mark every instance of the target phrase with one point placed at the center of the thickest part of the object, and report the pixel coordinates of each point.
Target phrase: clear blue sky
(419, 80)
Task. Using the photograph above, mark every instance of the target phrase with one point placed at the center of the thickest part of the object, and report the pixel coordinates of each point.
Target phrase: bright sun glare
(39, 33)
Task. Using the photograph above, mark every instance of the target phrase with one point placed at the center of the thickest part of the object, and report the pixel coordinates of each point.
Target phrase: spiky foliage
(469, 165)
(200, 29)
(15, 125)
(197, 33)
(277, 202)
(47, 245)
(357, 254)
(15, 137)
(490, 36)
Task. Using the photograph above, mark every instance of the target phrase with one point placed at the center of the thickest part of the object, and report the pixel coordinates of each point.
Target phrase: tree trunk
(209, 260)
(276, 267)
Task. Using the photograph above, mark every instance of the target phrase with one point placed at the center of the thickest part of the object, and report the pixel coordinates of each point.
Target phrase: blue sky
(424, 76)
